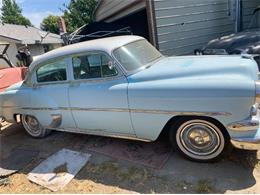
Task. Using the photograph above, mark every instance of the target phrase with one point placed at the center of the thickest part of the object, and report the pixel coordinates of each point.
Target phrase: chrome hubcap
(32, 123)
(199, 139)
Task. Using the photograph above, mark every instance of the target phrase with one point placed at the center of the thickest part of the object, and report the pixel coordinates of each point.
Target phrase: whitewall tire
(199, 140)
(33, 126)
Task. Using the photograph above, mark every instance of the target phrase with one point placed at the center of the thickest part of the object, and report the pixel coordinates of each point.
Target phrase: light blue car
(123, 87)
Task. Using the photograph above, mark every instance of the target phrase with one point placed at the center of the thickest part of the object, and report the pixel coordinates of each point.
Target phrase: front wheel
(33, 127)
(198, 140)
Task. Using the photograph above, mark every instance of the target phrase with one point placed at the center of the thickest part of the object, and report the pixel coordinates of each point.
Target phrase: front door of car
(49, 96)
(98, 95)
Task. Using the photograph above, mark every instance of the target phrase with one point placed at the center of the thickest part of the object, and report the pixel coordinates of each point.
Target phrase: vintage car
(123, 87)
(246, 41)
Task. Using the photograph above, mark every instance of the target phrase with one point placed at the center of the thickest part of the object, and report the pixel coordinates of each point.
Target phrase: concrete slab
(154, 154)
(59, 169)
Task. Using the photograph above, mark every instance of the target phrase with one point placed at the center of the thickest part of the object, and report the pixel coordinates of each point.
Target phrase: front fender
(225, 100)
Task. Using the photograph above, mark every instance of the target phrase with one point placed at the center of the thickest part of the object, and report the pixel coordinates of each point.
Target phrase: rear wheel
(198, 140)
(33, 127)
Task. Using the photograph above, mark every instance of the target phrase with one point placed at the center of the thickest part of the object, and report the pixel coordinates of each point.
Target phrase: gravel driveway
(237, 173)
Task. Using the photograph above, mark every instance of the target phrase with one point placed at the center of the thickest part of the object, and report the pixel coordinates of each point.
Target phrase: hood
(237, 43)
(199, 67)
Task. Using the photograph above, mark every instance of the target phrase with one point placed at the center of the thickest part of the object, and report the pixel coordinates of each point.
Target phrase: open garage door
(117, 17)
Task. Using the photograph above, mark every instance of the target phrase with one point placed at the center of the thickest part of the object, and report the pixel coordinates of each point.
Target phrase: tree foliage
(12, 13)
(51, 24)
(78, 12)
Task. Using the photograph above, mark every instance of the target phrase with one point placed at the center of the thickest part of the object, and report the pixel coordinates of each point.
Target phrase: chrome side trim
(144, 111)
(181, 112)
(246, 143)
(98, 109)
(247, 125)
(100, 132)
(40, 108)
(56, 121)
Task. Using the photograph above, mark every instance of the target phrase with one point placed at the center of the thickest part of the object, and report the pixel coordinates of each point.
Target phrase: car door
(98, 95)
(49, 95)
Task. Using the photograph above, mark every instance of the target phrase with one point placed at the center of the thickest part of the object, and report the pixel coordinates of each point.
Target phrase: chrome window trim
(118, 75)
(37, 83)
(98, 80)
(50, 83)
(32, 81)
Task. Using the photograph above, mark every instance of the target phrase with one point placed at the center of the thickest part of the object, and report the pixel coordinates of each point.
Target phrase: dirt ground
(237, 173)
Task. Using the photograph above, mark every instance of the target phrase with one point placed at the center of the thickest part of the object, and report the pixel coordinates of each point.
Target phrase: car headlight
(215, 52)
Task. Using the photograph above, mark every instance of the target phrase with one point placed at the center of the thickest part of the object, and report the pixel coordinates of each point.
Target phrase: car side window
(93, 65)
(53, 71)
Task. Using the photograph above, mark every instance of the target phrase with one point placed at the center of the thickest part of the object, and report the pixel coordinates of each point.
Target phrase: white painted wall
(11, 50)
(15, 45)
(36, 50)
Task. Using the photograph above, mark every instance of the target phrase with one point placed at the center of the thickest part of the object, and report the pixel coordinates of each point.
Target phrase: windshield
(255, 20)
(136, 54)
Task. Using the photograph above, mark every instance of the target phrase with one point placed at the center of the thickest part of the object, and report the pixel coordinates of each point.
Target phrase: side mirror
(111, 65)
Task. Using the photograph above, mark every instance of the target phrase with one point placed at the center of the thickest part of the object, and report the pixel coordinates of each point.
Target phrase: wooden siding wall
(248, 8)
(184, 25)
(109, 8)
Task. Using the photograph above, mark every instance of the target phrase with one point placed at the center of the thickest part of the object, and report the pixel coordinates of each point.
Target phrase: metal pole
(238, 16)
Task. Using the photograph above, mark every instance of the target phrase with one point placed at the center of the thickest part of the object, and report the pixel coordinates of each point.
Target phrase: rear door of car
(98, 95)
(49, 95)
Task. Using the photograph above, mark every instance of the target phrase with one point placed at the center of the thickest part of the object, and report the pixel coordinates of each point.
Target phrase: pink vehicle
(9, 74)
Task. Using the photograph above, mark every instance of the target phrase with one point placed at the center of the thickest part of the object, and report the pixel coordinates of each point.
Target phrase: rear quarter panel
(21, 99)
(10, 76)
(13, 100)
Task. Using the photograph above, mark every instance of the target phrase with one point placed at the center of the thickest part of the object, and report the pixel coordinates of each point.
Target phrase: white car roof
(104, 44)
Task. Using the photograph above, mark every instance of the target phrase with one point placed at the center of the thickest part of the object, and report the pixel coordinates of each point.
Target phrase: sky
(36, 10)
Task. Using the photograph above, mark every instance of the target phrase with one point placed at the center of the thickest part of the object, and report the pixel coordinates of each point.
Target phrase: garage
(178, 27)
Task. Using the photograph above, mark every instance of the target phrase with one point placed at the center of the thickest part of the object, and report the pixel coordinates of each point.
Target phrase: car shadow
(178, 175)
